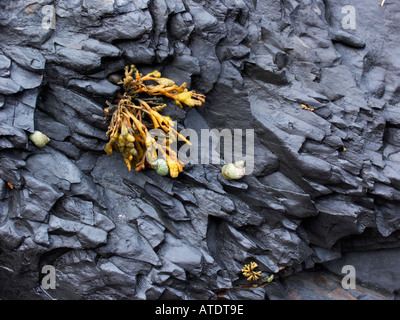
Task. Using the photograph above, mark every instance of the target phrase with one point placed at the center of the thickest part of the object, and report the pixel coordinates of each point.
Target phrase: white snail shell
(161, 167)
(39, 139)
(234, 171)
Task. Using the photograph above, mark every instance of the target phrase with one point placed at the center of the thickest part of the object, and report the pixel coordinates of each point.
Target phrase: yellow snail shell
(39, 139)
(233, 171)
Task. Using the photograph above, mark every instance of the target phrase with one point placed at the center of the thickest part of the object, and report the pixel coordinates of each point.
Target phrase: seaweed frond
(138, 111)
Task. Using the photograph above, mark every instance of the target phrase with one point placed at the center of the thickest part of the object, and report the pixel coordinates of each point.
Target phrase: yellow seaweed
(137, 110)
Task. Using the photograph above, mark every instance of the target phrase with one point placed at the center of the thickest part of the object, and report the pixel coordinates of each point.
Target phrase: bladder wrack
(134, 115)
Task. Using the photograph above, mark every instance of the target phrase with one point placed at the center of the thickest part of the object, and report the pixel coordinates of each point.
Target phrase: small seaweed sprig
(249, 271)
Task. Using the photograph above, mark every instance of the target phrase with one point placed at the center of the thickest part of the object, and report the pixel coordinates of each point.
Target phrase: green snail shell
(233, 171)
(39, 139)
(161, 167)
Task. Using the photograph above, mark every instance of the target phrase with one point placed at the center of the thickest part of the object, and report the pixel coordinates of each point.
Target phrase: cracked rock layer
(325, 186)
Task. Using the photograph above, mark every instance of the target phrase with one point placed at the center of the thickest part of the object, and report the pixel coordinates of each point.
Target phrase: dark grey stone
(65, 147)
(15, 136)
(35, 200)
(23, 118)
(102, 87)
(101, 274)
(137, 52)
(387, 219)
(347, 39)
(11, 236)
(76, 59)
(28, 58)
(392, 114)
(391, 171)
(182, 254)
(125, 241)
(8, 86)
(74, 208)
(131, 25)
(183, 193)
(213, 203)
(392, 136)
(336, 221)
(171, 206)
(53, 129)
(11, 161)
(87, 143)
(88, 236)
(151, 230)
(5, 65)
(181, 26)
(54, 168)
(204, 51)
(376, 268)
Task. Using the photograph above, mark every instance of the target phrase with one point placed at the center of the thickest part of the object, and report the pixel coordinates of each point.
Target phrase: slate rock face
(325, 184)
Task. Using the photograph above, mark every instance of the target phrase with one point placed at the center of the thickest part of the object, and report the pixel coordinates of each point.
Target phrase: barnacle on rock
(138, 111)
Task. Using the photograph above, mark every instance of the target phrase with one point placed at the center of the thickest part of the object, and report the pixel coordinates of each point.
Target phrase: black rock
(366, 264)
(321, 100)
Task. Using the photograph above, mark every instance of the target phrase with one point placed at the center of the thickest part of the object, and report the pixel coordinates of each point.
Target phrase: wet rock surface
(325, 190)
